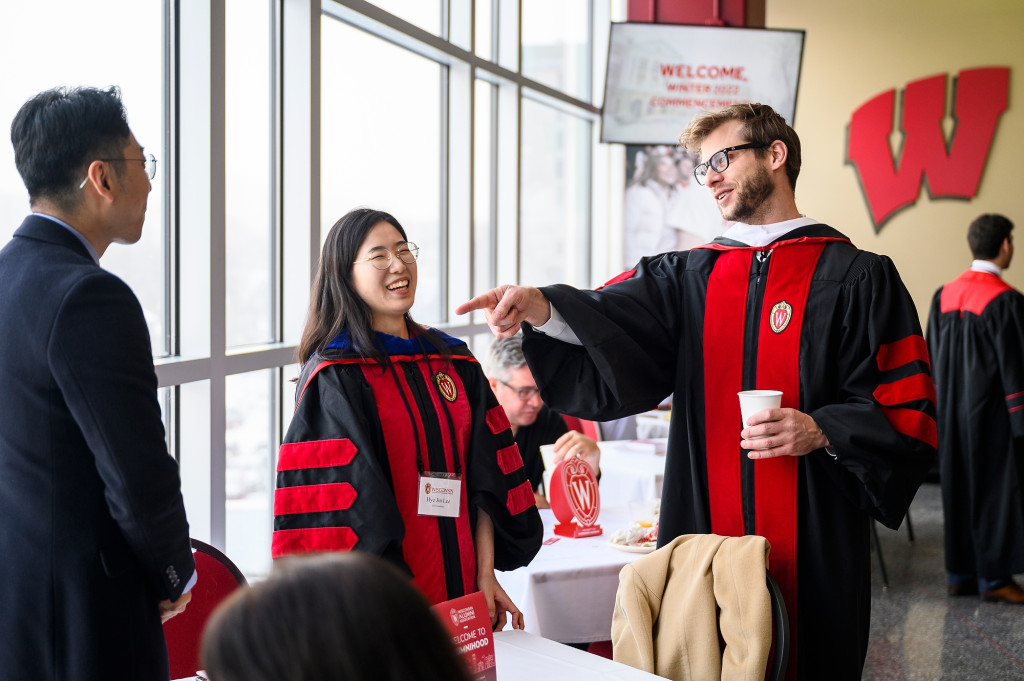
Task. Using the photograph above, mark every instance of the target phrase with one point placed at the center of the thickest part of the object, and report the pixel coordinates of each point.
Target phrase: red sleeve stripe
(909, 389)
(913, 423)
(520, 498)
(904, 351)
(509, 459)
(312, 540)
(316, 454)
(333, 496)
(497, 420)
(1011, 407)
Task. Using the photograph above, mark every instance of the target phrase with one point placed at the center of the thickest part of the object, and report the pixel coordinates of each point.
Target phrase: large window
(71, 58)
(472, 121)
(379, 142)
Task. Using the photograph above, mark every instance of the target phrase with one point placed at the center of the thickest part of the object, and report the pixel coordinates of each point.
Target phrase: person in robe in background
(976, 339)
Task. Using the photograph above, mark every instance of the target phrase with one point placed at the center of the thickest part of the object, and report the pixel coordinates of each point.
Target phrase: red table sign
(469, 623)
(575, 499)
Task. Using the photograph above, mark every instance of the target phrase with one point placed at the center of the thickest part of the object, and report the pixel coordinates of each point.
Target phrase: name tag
(439, 495)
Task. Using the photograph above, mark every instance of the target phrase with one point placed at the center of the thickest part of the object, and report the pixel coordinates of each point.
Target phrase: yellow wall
(856, 50)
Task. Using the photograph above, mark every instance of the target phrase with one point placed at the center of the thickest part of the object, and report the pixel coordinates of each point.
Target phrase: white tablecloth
(521, 656)
(631, 470)
(652, 424)
(567, 593)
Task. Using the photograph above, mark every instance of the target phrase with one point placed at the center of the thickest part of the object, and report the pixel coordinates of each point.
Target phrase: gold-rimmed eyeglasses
(407, 253)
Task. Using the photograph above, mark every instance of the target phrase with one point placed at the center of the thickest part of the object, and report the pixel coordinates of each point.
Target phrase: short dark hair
(986, 234)
(330, 616)
(59, 132)
(760, 122)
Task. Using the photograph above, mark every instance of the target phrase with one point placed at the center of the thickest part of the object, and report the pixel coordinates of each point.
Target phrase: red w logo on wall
(953, 169)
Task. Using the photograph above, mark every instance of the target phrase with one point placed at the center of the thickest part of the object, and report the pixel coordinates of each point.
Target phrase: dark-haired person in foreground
(780, 302)
(976, 337)
(351, 617)
(398, 447)
(93, 534)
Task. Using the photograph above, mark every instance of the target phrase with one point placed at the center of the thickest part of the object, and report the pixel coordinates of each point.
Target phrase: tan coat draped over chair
(667, 619)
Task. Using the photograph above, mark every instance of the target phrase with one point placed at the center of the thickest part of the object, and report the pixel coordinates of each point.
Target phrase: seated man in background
(533, 423)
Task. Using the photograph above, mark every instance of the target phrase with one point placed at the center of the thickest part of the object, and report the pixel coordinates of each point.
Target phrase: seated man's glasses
(523, 393)
(719, 160)
(382, 261)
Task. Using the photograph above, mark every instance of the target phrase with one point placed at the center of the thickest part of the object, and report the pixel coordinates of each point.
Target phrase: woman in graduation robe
(397, 446)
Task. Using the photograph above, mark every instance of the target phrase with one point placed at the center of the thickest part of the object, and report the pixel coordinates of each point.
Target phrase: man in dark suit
(94, 544)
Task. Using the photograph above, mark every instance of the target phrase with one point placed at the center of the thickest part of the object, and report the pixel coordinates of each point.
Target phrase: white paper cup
(753, 401)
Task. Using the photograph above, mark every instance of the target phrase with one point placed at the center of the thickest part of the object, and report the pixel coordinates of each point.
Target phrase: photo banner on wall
(660, 75)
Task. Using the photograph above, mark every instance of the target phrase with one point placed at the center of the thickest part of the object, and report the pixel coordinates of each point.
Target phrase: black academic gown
(362, 434)
(830, 325)
(976, 338)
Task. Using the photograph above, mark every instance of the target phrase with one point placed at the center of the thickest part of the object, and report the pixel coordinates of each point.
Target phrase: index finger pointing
(481, 302)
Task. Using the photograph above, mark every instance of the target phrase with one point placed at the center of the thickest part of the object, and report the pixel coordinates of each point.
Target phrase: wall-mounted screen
(660, 75)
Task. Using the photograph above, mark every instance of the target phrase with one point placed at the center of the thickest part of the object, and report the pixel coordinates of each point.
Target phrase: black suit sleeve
(101, 359)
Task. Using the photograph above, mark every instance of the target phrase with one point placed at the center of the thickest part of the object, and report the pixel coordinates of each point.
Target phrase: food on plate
(636, 535)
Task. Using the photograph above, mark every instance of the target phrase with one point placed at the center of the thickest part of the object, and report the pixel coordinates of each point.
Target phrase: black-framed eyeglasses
(719, 160)
(382, 261)
(148, 159)
(523, 393)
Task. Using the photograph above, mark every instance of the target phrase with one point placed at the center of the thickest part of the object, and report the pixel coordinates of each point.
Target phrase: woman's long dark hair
(334, 305)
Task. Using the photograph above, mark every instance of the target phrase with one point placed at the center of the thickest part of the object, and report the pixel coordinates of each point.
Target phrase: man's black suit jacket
(92, 524)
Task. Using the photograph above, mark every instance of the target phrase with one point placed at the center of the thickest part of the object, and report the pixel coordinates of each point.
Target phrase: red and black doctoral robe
(830, 325)
(362, 434)
(976, 338)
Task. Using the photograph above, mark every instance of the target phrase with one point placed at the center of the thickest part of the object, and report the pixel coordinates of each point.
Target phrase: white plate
(632, 549)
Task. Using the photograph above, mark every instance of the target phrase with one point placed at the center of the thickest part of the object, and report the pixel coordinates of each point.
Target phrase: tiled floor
(920, 634)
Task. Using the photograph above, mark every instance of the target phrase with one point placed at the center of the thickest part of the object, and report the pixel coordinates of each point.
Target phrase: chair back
(218, 577)
(780, 632)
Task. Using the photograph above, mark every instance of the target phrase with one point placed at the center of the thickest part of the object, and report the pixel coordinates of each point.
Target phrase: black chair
(780, 631)
(877, 547)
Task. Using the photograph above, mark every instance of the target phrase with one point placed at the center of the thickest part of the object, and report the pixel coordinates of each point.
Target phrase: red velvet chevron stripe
(334, 496)
(312, 540)
(315, 454)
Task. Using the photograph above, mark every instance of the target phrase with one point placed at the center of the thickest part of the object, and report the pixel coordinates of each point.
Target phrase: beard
(750, 196)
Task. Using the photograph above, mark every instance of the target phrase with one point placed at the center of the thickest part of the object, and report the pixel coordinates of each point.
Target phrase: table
(653, 423)
(631, 470)
(520, 656)
(567, 593)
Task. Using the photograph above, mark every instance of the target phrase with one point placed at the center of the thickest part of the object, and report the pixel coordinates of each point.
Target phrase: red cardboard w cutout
(574, 496)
